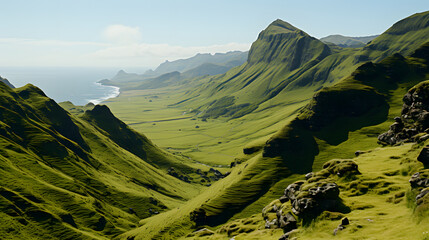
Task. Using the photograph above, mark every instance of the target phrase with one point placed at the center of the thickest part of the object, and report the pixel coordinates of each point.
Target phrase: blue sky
(131, 33)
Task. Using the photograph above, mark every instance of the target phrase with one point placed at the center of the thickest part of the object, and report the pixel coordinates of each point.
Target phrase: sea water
(77, 85)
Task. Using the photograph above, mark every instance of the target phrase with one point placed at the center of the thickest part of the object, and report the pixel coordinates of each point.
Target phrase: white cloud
(123, 49)
(120, 34)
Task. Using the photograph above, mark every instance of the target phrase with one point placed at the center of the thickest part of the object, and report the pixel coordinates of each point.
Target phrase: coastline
(114, 92)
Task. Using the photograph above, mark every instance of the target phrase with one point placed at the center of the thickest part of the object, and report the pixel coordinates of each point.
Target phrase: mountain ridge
(59, 156)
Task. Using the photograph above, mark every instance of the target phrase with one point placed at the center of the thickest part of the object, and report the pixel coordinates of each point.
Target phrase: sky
(130, 33)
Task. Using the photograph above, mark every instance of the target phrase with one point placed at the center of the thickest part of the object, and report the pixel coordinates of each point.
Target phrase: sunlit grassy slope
(370, 98)
(70, 177)
(285, 68)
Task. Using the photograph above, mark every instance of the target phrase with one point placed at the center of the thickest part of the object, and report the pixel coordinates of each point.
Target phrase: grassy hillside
(338, 121)
(69, 177)
(255, 99)
(231, 145)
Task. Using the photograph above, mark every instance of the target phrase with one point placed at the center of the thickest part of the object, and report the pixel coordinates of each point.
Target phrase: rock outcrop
(420, 186)
(306, 199)
(413, 124)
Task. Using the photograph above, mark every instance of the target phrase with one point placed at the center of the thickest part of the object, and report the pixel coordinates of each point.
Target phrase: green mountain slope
(403, 37)
(69, 177)
(257, 98)
(284, 59)
(338, 121)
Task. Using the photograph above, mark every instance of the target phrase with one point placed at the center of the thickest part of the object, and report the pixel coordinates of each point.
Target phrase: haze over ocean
(76, 84)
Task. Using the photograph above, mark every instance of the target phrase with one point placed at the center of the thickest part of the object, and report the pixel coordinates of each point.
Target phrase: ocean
(77, 85)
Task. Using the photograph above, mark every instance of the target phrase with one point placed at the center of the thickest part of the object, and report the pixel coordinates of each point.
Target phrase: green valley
(298, 138)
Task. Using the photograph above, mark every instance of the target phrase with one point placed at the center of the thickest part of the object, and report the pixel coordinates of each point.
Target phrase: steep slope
(344, 41)
(280, 51)
(403, 37)
(66, 177)
(338, 121)
(254, 101)
(284, 60)
(283, 43)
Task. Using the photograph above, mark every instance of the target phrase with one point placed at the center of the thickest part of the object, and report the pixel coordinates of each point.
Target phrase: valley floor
(215, 142)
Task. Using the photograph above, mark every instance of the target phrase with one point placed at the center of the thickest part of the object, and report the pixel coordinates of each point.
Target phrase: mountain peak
(282, 25)
(283, 43)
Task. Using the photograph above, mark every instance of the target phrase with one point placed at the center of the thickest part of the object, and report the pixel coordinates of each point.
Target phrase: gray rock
(326, 191)
(292, 189)
(287, 222)
(271, 224)
(304, 206)
(339, 228)
(344, 222)
(287, 236)
(309, 175)
(419, 181)
(423, 138)
(422, 193)
(414, 118)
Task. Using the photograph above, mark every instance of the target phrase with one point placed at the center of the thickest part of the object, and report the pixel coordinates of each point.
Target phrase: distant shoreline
(113, 94)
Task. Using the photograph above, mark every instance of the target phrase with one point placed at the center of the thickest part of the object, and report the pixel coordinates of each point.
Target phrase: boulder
(422, 193)
(309, 175)
(304, 206)
(414, 117)
(287, 222)
(292, 190)
(271, 224)
(423, 138)
(424, 156)
(325, 191)
(420, 179)
(344, 222)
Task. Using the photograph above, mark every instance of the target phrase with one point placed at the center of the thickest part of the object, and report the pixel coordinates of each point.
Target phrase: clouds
(121, 34)
(123, 46)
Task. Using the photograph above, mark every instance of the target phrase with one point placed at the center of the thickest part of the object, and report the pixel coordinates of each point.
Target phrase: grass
(252, 183)
(67, 177)
(87, 175)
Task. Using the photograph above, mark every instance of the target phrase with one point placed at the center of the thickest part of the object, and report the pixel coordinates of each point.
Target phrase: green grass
(71, 177)
(356, 108)
(88, 175)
